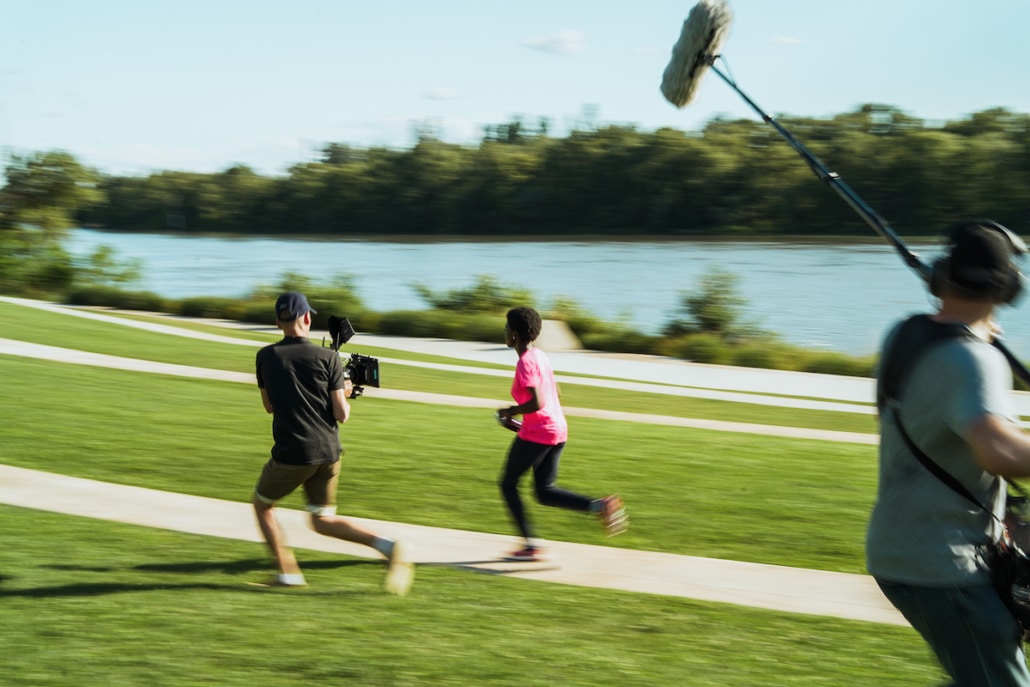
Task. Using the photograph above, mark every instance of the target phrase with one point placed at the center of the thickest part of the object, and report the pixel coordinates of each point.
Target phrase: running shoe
(529, 554)
(281, 582)
(613, 515)
(400, 569)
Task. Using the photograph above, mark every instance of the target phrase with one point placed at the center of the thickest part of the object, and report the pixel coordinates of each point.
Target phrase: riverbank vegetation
(707, 328)
(734, 178)
(731, 179)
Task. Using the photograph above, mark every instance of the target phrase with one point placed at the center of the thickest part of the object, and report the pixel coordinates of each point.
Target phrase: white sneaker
(400, 569)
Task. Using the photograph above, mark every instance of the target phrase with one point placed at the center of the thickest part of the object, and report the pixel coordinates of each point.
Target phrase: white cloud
(441, 93)
(565, 42)
(786, 40)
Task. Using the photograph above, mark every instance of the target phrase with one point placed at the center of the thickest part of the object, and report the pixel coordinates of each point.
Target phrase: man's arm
(267, 401)
(1000, 446)
(338, 397)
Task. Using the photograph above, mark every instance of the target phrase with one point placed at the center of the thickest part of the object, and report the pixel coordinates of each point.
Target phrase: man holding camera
(948, 437)
(304, 388)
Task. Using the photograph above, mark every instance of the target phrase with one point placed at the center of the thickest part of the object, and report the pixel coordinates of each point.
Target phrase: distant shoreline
(800, 239)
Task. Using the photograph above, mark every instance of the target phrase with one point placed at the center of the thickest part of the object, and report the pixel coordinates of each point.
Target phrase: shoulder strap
(937, 471)
(915, 336)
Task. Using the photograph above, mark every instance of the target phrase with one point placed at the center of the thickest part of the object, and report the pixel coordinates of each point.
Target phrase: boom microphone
(703, 32)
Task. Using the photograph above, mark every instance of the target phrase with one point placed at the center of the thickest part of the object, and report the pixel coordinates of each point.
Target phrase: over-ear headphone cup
(1007, 288)
(938, 276)
(1014, 289)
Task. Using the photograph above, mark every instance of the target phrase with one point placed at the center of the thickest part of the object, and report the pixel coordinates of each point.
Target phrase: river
(838, 296)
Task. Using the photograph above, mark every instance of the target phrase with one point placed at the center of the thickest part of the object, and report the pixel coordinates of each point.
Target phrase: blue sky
(134, 86)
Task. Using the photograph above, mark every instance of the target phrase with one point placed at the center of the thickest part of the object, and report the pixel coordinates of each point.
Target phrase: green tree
(38, 204)
(103, 268)
(486, 295)
(714, 307)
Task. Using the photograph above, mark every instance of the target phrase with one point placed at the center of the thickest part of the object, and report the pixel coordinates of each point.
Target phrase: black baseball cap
(292, 305)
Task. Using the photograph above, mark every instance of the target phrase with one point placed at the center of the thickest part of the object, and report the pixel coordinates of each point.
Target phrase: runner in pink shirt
(541, 439)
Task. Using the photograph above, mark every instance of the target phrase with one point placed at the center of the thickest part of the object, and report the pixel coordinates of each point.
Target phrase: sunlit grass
(93, 604)
(29, 324)
(96, 603)
(686, 488)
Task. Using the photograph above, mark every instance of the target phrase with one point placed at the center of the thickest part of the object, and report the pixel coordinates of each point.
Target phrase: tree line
(733, 178)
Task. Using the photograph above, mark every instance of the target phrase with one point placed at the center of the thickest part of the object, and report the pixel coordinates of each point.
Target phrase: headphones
(1006, 288)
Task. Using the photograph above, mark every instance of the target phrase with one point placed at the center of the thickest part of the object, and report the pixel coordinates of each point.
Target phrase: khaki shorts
(279, 480)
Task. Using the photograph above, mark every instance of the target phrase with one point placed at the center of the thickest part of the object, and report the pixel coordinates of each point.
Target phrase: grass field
(95, 603)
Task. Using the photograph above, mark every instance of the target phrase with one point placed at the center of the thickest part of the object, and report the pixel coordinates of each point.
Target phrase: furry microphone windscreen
(703, 32)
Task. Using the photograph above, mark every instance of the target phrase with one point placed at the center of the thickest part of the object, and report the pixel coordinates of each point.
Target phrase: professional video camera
(361, 370)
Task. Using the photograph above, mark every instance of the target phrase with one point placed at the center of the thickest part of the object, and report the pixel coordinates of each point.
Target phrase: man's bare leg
(400, 571)
(273, 535)
(341, 528)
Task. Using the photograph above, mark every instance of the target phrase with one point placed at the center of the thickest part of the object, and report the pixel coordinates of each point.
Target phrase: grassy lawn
(406, 462)
(95, 603)
(38, 326)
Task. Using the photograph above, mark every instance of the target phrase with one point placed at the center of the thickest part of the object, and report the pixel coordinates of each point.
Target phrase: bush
(830, 362)
(250, 311)
(755, 355)
(703, 348)
(619, 341)
(206, 306)
(111, 297)
(416, 323)
(442, 324)
(486, 295)
(715, 307)
(714, 348)
(489, 328)
(581, 322)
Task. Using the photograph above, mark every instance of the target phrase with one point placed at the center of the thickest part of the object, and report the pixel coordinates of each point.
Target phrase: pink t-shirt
(547, 425)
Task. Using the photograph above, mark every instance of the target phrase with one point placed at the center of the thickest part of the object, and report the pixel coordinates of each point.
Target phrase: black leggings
(524, 455)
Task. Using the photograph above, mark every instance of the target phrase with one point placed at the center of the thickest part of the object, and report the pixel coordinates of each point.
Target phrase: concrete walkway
(854, 597)
(778, 588)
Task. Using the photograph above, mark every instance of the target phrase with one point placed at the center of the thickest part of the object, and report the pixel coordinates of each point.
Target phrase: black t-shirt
(298, 376)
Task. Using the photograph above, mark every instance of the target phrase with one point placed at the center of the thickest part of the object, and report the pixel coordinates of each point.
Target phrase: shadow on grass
(496, 566)
(108, 588)
(236, 568)
(243, 566)
(196, 567)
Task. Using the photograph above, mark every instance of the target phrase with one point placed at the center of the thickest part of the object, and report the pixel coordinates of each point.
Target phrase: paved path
(779, 588)
(650, 374)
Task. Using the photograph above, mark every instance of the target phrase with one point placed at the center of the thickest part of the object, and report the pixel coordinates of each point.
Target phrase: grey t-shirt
(921, 532)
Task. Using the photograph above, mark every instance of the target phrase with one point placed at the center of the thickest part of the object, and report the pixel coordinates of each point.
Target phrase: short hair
(525, 322)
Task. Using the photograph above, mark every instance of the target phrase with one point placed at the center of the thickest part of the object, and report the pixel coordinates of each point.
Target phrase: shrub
(581, 322)
(830, 362)
(367, 321)
(703, 348)
(482, 327)
(708, 347)
(408, 323)
(485, 295)
(112, 297)
(755, 355)
(251, 311)
(206, 306)
(714, 307)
